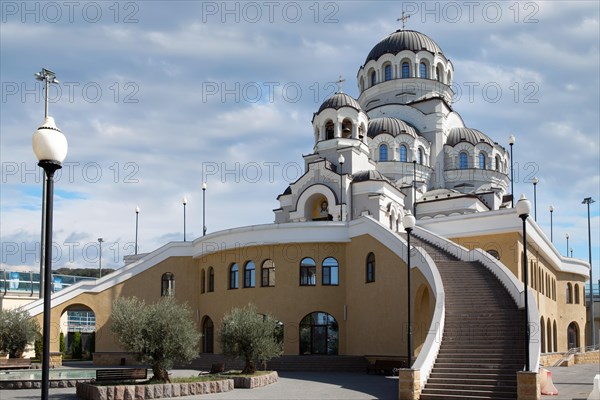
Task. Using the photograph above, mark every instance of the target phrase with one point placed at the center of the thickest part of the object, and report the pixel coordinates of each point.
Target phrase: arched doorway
(207, 335)
(78, 325)
(572, 335)
(319, 334)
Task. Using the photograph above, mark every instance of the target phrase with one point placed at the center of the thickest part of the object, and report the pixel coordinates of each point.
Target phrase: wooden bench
(121, 374)
(386, 367)
(15, 363)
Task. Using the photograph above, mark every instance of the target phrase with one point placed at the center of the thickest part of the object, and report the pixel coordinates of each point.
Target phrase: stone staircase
(483, 343)
(288, 363)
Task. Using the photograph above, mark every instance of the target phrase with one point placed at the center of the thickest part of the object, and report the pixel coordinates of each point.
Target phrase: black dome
(469, 135)
(392, 126)
(338, 101)
(403, 40)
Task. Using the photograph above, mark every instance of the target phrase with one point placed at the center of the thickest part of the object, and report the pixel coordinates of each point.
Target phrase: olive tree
(161, 334)
(251, 336)
(17, 330)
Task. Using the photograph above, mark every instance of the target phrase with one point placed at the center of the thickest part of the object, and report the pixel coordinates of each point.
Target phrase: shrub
(76, 346)
(61, 344)
(17, 330)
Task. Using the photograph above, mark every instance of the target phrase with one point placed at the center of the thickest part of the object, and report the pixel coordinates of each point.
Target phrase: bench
(386, 367)
(15, 363)
(121, 374)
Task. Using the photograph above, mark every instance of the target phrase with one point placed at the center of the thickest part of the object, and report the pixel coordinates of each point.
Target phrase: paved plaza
(574, 383)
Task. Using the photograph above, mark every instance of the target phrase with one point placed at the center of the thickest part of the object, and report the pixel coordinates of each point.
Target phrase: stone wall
(254, 381)
(590, 357)
(87, 391)
(549, 359)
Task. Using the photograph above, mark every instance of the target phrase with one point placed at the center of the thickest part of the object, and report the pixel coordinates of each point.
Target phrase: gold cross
(339, 82)
(403, 19)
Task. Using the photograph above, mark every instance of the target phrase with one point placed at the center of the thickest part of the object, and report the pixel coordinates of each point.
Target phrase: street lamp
(588, 201)
(100, 240)
(523, 210)
(341, 160)
(571, 252)
(137, 217)
(414, 187)
(535, 181)
(204, 209)
(50, 148)
(184, 201)
(511, 142)
(567, 236)
(409, 224)
(551, 232)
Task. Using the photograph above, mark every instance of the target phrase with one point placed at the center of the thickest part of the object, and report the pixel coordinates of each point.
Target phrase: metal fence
(15, 282)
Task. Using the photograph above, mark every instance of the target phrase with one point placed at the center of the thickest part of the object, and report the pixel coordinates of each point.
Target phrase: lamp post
(409, 224)
(523, 210)
(341, 160)
(414, 188)
(535, 181)
(588, 201)
(551, 231)
(571, 252)
(137, 217)
(204, 209)
(50, 148)
(184, 201)
(511, 142)
(567, 236)
(100, 240)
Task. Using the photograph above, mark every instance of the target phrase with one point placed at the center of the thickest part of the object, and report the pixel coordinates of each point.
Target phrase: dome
(469, 135)
(392, 126)
(403, 40)
(370, 175)
(338, 101)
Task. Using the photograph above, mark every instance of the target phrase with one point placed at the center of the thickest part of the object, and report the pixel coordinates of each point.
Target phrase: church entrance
(319, 334)
(572, 335)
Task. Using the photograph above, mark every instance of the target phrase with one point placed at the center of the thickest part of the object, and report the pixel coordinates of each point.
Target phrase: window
(202, 281)
(569, 293)
(463, 161)
(268, 273)
(388, 72)
(207, 335)
(440, 73)
(370, 268)
(403, 153)
(362, 84)
(233, 276)
(494, 253)
(373, 78)
(167, 284)
(576, 294)
(330, 272)
(420, 156)
(249, 275)
(211, 279)
(423, 70)
(383, 152)
(498, 163)
(329, 129)
(405, 70)
(482, 160)
(308, 272)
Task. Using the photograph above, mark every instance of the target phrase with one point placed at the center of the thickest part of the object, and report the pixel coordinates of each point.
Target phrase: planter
(89, 391)
(242, 382)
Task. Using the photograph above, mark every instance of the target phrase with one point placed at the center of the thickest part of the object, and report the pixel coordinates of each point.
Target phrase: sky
(157, 97)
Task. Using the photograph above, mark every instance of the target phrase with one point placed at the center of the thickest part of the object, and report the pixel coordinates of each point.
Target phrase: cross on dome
(339, 82)
(404, 18)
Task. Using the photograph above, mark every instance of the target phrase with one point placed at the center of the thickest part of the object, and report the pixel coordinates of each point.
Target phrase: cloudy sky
(156, 97)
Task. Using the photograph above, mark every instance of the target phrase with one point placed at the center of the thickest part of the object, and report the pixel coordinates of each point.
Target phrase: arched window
(347, 129)
(373, 78)
(308, 272)
(463, 161)
(576, 293)
(211, 279)
(362, 84)
(268, 273)
(383, 152)
(555, 336)
(554, 289)
(572, 336)
(569, 294)
(329, 130)
(403, 153)
(370, 269)
(494, 253)
(167, 284)
(543, 335)
(498, 162)
(440, 73)
(202, 281)
(388, 72)
(319, 333)
(233, 276)
(420, 156)
(482, 160)
(207, 335)
(549, 336)
(330, 275)
(249, 275)
(423, 70)
(405, 70)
